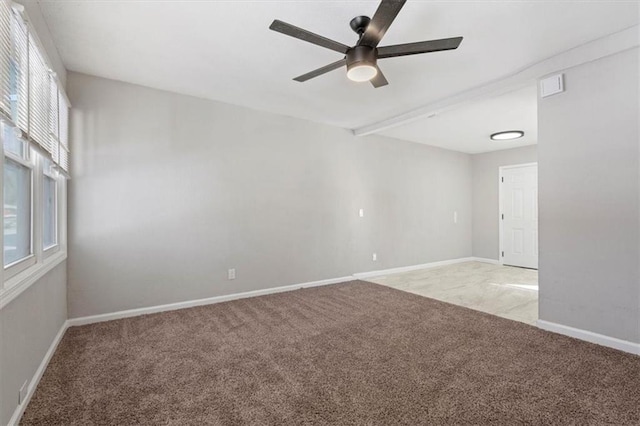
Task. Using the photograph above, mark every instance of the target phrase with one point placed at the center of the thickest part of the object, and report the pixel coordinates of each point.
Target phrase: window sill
(50, 251)
(22, 281)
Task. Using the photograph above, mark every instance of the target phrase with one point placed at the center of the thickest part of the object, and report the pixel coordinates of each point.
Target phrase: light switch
(361, 213)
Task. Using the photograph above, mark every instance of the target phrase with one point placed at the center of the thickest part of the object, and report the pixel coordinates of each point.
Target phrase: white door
(519, 215)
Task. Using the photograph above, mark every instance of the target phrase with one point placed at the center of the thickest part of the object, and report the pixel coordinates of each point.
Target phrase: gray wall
(589, 192)
(486, 238)
(28, 326)
(170, 191)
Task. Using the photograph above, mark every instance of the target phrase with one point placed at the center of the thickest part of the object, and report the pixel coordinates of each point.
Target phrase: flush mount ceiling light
(507, 135)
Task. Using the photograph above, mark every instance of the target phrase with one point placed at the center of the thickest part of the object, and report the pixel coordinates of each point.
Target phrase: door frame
(501, 170)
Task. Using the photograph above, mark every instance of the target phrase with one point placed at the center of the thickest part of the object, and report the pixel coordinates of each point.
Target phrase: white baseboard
(199, 302)
(371, 274)
(225, 298)
(486, 260)
(623, 345)
(33, 384)
(589, 336)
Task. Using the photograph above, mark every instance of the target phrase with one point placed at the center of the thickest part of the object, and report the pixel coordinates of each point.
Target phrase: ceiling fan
(361, 59)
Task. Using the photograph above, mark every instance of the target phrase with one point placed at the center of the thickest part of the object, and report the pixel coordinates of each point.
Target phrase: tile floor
(504, 291)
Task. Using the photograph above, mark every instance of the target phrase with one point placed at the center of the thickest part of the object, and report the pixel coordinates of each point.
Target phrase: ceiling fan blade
(419, 47)
(379, 80)
(299, 33)
(320, 71)
(381, 21)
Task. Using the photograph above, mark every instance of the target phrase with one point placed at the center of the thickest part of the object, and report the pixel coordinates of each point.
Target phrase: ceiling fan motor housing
(361, 55)
(359, 24)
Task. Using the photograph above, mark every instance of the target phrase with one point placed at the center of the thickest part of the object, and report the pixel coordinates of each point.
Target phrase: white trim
(22, 281)
(589, 336)
(500, 231)
(371, 274)
(199, 302)
(486, 260)
(501, 169)
(33, 383)
(13, 269)
(623, 345)
(588, 52)
(49, 251)
(517, 166)
(91, 319)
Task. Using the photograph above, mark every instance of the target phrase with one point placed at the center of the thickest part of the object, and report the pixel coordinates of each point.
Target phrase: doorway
(518, 206)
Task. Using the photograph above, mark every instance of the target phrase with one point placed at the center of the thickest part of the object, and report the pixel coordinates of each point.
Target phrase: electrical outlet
(374, 257)
(361, 212)
(232, 274)
(22, 394)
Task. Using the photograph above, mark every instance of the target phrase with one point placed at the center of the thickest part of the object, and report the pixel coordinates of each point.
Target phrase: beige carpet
(348, 354)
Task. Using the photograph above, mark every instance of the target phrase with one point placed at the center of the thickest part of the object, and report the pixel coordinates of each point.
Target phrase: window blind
(19, 72)
(63, 112)
(54, 118)
(31, 98)
(38, 98)
(5, 59)
(58, 126)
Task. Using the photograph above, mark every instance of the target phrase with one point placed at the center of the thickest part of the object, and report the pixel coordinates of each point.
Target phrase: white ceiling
(468, 127)
(223, 50)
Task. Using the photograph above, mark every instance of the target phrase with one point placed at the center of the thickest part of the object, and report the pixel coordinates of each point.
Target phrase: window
(17, 211)
(35, 155)
(17, 198)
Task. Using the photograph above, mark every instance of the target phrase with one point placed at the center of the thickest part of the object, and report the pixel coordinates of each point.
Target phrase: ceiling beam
(626, 39)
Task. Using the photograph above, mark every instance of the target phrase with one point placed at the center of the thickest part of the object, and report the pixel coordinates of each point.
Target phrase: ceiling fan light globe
(361, 72)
